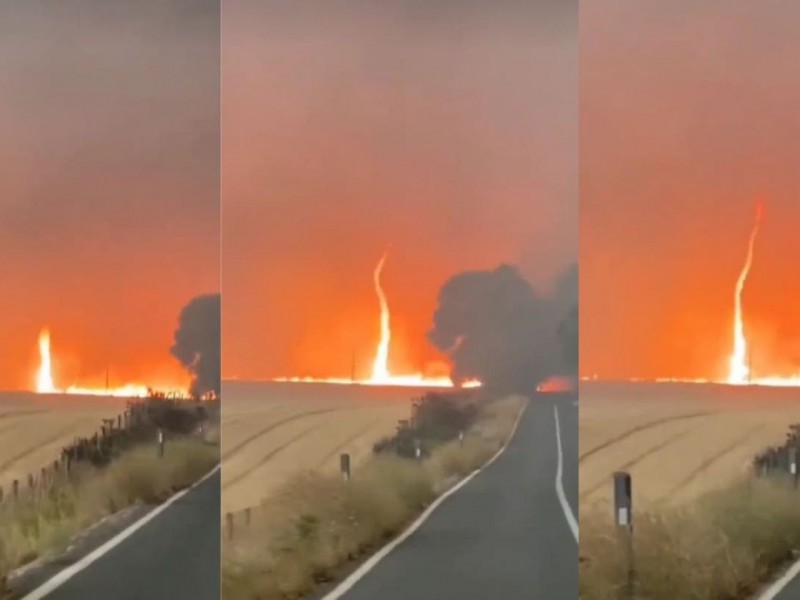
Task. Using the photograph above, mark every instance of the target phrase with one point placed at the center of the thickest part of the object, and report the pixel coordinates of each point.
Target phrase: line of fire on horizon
(45, 383)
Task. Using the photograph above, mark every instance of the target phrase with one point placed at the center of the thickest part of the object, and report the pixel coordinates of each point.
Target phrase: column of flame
(739, 370)
(44, 377)
(380, 366)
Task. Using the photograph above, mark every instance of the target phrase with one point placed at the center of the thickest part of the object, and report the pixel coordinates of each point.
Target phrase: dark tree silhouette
(197, 343)
(494, 327)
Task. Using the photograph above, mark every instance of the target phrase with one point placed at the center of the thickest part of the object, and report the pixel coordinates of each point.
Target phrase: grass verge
(722, 547)
(42, 526)
(316, 524)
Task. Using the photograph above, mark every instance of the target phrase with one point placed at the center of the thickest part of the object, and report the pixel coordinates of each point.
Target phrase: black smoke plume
(496, 328)
(197, 343)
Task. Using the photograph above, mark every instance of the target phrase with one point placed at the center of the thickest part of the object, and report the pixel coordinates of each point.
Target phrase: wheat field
(676, 440)
(271, 431)
(34, 428)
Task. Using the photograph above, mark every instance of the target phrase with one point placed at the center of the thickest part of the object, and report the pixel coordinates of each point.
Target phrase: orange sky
(447, 130)
(688, 113)
(108, 184)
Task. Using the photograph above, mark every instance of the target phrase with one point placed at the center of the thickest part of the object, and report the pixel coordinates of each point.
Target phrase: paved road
(789, 585)
(175, 555)
(504, 535)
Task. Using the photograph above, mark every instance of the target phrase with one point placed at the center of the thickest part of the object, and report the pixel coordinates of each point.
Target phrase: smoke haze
(496, 328)
(109, 179)
(688, 115)
(197, 343)
(445, 129)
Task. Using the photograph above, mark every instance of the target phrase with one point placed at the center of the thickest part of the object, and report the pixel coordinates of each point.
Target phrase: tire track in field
(23, 413)
(711, 460)
(639, 428)
(639, 458)
(271, 427)
(230, 420)
(269, 455)
(39, 445)
(348, 441)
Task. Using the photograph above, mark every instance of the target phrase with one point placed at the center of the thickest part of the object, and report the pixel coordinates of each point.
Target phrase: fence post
(160, 443)
(344, 466)
(793, 464)
(623, 516)
(417, 449)
(460, 438)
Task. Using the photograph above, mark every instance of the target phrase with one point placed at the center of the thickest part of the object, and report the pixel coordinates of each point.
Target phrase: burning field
(34, 428)
(272, 430)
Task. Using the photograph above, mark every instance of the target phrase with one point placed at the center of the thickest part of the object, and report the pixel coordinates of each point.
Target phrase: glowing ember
(45, 384)
(381, 375)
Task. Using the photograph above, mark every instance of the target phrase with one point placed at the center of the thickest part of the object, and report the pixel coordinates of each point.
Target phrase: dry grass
(315, 523)
(34, 428)
(31, 528)
(703, 528)
(722, 547)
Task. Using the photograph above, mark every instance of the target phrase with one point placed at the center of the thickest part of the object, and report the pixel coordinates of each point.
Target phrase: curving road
(505, 534)
(174, 554)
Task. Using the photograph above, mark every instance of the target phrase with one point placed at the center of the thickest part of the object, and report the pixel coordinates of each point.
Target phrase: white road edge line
(354, 577)
(65, 575)
(777, 587)
(571, 521)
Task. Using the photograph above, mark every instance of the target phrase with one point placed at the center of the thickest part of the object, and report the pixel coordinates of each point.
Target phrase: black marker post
(623, 516)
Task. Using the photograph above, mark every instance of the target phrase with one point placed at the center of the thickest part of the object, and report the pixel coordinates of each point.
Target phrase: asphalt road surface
(176, 555)
(504, 535)
(789, 589)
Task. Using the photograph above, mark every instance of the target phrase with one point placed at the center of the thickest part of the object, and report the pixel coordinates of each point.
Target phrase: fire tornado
(739, 369)
(381, 373)
(46, 385)
(380, 367)
(44, 377)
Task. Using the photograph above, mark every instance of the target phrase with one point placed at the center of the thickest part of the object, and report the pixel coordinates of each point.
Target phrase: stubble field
(677, 440)
(271, 431)
(34, 428)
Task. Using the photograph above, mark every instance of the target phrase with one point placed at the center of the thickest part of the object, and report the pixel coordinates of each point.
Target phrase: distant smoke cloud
(495, 327)
(197, 342)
